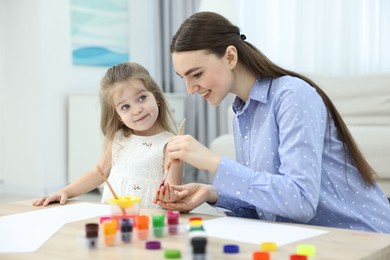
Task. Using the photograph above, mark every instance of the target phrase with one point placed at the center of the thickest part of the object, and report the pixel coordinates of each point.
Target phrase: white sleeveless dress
(137, 167)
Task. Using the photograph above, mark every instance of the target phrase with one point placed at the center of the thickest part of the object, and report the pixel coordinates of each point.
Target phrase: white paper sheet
(255, 232)
(26, 232)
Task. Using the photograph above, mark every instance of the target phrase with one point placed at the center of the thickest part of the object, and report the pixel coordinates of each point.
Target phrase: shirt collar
(259, 93)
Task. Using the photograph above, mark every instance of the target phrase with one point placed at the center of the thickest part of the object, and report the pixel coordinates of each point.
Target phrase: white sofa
(364, 103)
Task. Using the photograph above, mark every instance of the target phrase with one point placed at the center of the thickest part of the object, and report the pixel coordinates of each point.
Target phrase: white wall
(59, 79)
(2, 22)
(21, 99)
(36, 68)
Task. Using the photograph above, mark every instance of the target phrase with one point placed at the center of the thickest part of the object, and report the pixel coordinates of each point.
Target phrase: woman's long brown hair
(213, 32)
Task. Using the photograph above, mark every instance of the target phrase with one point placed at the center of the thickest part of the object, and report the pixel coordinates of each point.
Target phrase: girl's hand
(186, 148)
(60, 197)
(166, 193)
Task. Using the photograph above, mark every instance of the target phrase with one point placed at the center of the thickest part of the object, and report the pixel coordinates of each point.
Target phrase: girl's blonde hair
(115, 80)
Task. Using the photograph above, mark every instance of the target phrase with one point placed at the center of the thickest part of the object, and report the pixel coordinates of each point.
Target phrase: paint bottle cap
(194, 218)
(231, 249)
(91, 230)
(158, 220)
(126, 225)
(172, 254)
(109, 227)
(173, 217)
(108, 218)
(153, 245)
(104, 218)
(260, 255)
(298, 257)
(305, 249)
(199, 245)
(268, 246)
(194, 223)
(142, 222)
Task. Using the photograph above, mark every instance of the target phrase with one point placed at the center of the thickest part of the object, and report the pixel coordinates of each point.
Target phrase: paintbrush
(108, 184)
(166, 172)
(112, 190)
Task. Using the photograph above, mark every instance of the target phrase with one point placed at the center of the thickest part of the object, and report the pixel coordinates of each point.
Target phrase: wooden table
(67, 243)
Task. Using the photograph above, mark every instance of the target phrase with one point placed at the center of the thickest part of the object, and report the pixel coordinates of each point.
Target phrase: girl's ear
(231, 56)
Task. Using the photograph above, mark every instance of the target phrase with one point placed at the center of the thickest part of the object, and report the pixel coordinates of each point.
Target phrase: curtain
(328, 37)
(201, 118)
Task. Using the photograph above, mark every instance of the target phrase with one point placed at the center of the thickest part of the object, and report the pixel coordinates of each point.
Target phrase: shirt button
(238, 193)
(246, 137)
(247, 163)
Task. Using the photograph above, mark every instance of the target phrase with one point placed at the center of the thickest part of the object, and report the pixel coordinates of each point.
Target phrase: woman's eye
(125, 107)
(197, 75)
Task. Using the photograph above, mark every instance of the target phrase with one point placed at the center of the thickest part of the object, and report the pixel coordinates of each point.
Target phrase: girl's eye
(125, 107)
(142, 98)
(197, 75)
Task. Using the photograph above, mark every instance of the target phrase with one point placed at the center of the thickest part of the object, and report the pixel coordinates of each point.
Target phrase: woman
(296, 160)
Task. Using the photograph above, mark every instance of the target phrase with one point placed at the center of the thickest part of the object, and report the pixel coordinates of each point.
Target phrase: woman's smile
(205, 94)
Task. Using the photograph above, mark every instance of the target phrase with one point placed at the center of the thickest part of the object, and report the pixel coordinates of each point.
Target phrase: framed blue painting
(99, 32)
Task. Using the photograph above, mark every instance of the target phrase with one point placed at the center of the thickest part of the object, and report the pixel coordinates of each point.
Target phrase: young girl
(136, 123)
(296, 160)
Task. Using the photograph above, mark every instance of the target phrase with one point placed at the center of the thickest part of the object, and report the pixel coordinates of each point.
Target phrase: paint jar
(173, 222)
(91, 234)
(197, 239)
(109, 230)
(199, 248)
(125, 207)
(142, 225)
(158, 222)
(196, 225)
(126, 230)
(108, 218)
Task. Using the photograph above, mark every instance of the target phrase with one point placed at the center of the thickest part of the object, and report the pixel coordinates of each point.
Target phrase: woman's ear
(231, 56)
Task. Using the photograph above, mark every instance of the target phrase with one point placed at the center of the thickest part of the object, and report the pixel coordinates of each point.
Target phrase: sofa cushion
(224, 145)
(364, 104)
(361, 100)
(375, 146)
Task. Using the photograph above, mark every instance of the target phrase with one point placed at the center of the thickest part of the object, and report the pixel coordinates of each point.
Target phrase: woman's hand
(187, 197)
(186, 148)
(60, 197)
